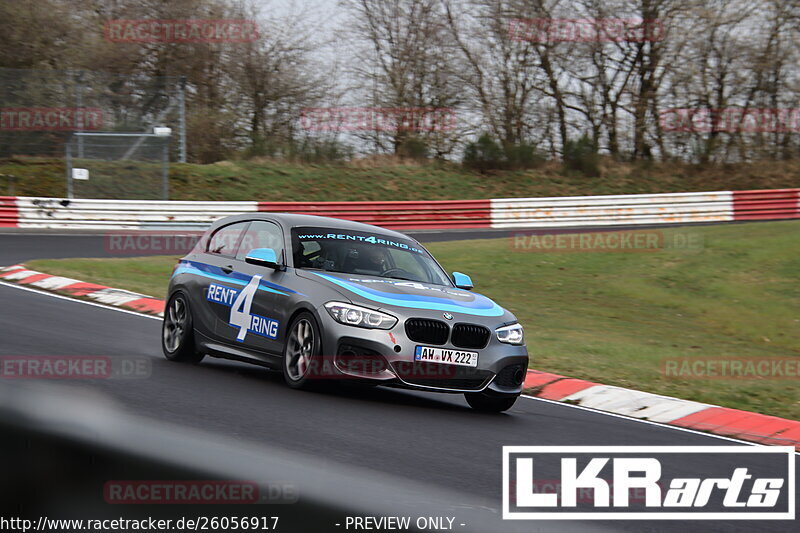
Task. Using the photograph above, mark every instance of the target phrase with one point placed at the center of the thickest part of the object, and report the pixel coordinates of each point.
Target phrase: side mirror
(462, 281)
(263, 257)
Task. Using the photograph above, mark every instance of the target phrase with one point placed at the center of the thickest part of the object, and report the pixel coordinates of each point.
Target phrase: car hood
(387, 293)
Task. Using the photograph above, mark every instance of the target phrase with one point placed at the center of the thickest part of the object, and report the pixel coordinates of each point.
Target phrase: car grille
(469, 336)
(427, 331)
(441, 376)
(510, 377)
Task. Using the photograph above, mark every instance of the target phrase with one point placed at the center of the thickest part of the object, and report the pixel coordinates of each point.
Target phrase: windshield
(364, 253)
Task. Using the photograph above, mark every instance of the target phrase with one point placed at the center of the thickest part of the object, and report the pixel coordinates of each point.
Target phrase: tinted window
(363, 253)
(225, 239)
(261, 234)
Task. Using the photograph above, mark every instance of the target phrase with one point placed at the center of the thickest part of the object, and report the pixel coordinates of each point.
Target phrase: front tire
(489, 404)
(302, 351)
(177, 333)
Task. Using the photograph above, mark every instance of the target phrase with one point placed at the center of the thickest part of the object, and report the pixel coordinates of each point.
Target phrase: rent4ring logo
(649, 483)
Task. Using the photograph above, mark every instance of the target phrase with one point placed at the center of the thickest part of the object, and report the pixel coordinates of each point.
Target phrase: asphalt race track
(385, 430)
(18, 245)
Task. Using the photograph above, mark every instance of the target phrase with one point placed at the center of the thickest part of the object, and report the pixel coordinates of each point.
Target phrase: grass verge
(381, 179)
(615, 318)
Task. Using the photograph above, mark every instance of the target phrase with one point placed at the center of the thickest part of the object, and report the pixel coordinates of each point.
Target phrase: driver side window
(307, 255)
(225, 239)
(261, 234)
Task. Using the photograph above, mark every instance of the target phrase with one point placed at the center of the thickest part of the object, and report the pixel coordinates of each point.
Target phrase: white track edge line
(78, 300)
(649, 422)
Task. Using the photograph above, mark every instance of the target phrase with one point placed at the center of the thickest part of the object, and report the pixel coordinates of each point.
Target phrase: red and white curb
(72, 287)
(722, 421)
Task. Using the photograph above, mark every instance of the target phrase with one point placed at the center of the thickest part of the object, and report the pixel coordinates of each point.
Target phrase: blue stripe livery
(237, 278)
(478, 306)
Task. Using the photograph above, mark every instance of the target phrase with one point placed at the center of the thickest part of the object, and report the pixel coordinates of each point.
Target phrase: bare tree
(404, 60)
(458, 54)
(512, 81)
(275, 77)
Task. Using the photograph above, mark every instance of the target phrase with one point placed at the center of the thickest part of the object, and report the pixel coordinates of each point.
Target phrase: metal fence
(123, 166)
(41, 110)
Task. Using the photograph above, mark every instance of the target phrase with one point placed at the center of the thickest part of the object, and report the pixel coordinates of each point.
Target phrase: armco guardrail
(612, 210)
(123, 214)
(766, 204)
(440, 214)
(8, 211)
(587, 211)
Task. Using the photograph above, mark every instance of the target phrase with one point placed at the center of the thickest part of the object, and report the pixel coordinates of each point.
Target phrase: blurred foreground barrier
(72, 448)
(571, 211)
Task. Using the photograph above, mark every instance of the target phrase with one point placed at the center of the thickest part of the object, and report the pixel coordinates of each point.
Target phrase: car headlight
(354, 315)
(512, 334)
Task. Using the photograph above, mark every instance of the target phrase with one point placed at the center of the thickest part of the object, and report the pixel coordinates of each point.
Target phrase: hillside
(388, 179)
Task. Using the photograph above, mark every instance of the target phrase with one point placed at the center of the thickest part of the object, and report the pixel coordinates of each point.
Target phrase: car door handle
(227, 269)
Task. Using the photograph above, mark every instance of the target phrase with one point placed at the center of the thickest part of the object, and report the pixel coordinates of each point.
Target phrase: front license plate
(445, 356)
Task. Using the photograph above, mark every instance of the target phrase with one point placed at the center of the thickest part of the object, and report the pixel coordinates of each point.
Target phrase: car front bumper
(387, 357)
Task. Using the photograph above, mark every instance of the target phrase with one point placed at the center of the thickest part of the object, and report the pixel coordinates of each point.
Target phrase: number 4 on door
(240, 310)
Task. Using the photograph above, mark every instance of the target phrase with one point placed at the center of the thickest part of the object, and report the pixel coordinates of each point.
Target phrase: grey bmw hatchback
(324, 299)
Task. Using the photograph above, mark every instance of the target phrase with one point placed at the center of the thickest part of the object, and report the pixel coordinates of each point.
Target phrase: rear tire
(489, 404)
(177, 332)
(301, 353)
